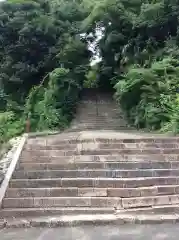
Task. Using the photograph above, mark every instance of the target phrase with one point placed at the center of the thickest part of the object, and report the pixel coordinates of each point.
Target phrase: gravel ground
(6, 160)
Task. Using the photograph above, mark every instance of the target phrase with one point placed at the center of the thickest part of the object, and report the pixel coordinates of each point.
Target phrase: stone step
(72, 165)
(159, 209)
(72, 220)
(52, 211)
(75, 138)
(92, 192)
(94, 182)
(115, 202)
(55, 192)
(102, 122)
(95, 173)
(150, 201)
(91, 128)
(100, 158)
(99, 145)
(45, 202)
(127, 151)
(100, 119)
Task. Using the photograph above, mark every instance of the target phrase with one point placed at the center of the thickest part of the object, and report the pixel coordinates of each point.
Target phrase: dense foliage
(140, 49)
(45, 53)
(44, 60)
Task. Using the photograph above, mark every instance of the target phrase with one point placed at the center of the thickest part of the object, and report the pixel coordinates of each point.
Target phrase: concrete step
(45, 202)
(52, 211)
(92, 192)
(72, 165)
(94, 182)
(95, 173)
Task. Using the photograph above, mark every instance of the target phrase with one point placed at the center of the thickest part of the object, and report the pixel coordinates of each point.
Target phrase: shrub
(52, 107)
(149, 95)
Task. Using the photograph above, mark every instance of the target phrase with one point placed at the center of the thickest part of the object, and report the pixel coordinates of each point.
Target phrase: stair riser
(98, 165)
(141, 146)
(53, 212)
(92, 192)
(91, 182)
(96, 173)
(62, 202)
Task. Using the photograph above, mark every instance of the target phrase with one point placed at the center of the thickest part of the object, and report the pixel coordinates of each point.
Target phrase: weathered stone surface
(41, 192)
(92, 192)
(46, 202)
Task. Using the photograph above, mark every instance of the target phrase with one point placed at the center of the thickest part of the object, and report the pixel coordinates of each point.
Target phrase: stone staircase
(94, 176)
(98, 111)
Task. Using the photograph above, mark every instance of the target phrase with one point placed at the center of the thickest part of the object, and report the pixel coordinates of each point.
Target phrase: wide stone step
(55, 192)
(115, 202)
(98, 158)
(89, 219)
(94, 182)
(74, 139)
(150, 201)
(45, 202)
(106, 127)
(102, 123)
(71, 165)
(127, 151)
(96, 173)
(52, 211)
(83, 146)
(159, 209)
(92, 192)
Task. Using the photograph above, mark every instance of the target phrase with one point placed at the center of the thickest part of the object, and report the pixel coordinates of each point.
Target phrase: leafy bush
(149, 95)
(52, 107)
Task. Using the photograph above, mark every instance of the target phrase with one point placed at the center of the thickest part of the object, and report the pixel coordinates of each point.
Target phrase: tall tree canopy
(45, 55)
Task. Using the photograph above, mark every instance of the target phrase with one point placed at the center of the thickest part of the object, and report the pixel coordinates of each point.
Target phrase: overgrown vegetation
(140, 49)
(45, 60)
